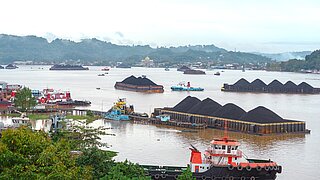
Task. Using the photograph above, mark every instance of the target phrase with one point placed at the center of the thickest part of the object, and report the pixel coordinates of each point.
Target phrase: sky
(269, 26)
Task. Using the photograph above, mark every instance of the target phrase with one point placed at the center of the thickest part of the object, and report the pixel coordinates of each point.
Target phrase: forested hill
(13, 48)
(311, 62)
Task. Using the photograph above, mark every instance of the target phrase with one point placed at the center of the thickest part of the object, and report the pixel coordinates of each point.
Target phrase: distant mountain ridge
(15, 48)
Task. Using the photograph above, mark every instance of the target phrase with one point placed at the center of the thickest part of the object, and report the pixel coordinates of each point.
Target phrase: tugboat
(120, 111)
(222, 160)
(183, 87)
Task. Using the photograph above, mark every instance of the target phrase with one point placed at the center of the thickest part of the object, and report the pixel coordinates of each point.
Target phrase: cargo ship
(140, 84)
(222, 160)
(67, 67)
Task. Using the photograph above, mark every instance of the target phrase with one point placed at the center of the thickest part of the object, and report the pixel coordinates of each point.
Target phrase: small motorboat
(217, 74)
(167, 69)
(105, 69)
(101, 74)
(98, 88)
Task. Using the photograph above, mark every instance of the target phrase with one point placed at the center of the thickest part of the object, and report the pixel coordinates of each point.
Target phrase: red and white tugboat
(222, 160)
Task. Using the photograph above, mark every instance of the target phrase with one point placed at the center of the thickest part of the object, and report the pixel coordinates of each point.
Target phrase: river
(149, 144)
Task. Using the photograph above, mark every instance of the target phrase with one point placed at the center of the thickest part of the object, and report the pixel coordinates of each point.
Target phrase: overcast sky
(244, 25)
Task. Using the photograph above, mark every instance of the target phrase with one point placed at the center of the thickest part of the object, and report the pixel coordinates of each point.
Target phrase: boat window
(235, 158)
(223, 147)
(236, 147)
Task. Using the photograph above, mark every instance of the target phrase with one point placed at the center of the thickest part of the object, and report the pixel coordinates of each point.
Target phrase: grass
(38, 116)
(89, 119)
(11, 115)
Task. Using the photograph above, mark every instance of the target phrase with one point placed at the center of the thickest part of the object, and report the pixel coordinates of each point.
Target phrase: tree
(24, 99)
(100, 161)
(126, 171)
(186, 175)
(25, 154)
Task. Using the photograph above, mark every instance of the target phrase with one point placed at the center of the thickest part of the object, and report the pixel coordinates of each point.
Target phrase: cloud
(120, 34)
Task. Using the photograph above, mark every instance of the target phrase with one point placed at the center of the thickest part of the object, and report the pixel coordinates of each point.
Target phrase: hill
(32, 48)
(311, 63)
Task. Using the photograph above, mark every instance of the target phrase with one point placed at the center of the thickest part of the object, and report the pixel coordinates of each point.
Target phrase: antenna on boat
(194, 147)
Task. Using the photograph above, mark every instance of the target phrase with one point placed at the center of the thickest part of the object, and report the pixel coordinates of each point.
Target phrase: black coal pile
(140, 81)
(186, 104)
(206, 107)
(243, 83)
(275, 84)
(305, 87)
(290, 87)
(261, 115)
(257, 84)
(230, 111)
(183, 68)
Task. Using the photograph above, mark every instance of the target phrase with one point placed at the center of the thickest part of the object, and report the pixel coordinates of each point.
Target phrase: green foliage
(89, 50)
(25, 154)
(126, 171)
(100, 161)
(312, 62)
(24, 99)
(186, 175)
(82, 136)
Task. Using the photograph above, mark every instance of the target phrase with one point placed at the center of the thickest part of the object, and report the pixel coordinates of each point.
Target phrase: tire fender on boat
(252, 178)
(231, 178)
(223, 178)
(259, 168)
(279, 169)
(156, 176)
(176, 176)
(163, 176)
(230, 167)
(203, 177)
(267, 168)
(240, 168)
(248, 168)
(242, 178)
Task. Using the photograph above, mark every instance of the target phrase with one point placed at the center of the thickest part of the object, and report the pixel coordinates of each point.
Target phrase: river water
(159, 145)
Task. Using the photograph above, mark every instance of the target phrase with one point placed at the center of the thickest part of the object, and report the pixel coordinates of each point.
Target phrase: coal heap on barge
(67, 67)
(259, 120)
(140, 84)
(275, 86)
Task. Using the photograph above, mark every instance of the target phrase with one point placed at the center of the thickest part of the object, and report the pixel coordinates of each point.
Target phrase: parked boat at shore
(119, 111)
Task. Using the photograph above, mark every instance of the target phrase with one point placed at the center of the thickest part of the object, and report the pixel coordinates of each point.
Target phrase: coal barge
(275, 86)
(258, 121)
(68, 67)
(222, 160)
(140, 84)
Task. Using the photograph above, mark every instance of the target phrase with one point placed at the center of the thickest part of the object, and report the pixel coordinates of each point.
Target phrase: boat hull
(215, 173)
